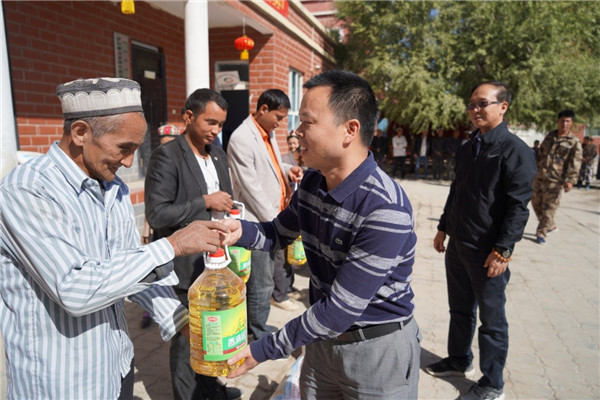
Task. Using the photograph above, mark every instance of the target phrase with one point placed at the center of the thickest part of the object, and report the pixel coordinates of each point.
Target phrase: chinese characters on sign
(281, 6)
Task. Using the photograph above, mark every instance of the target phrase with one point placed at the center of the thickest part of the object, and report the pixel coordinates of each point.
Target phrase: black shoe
(146, 321)
(223, 392)
(480, 392)
(447, 367)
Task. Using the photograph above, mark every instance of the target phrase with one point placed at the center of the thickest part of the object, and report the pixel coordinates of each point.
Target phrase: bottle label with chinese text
(224, 333)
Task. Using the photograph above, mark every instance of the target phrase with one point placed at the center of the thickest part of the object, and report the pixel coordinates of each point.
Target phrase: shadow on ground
(461, 384)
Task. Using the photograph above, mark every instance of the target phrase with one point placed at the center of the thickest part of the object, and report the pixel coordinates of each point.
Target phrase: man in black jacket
(187, 180)
(421, 153)
(485, 215)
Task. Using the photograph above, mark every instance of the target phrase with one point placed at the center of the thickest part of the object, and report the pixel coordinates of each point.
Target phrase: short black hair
(351, 97)
(196, 102)
(566, 114)
(274, 99)
(503, 93)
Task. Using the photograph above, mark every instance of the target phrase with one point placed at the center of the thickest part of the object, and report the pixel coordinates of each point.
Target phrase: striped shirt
(69, 255)
(359, 241)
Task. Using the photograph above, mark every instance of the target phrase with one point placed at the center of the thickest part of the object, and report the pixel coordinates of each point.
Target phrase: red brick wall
(52, 42)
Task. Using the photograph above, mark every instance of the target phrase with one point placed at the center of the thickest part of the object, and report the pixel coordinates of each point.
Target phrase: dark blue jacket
(487, 204)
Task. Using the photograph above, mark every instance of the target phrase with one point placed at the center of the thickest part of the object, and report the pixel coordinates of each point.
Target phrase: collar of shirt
(75, 176)
(283, 183)
(491, 135)
(263, 133)
(352, 181)
(569, 135)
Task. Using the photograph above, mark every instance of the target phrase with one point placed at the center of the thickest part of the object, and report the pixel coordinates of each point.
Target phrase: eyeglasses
(481, 104)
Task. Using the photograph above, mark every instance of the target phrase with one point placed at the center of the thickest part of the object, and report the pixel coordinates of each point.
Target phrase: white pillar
(8, 137)
(197, 58)
(8, 149)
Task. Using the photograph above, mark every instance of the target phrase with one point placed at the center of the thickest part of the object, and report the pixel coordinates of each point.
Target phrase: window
(295, 93)
(231, 75)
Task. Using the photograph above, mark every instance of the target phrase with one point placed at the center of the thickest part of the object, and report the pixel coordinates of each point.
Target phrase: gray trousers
(259, 289)
(383, 368)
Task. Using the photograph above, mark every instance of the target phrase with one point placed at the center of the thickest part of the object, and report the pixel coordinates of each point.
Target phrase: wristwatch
(506, 253)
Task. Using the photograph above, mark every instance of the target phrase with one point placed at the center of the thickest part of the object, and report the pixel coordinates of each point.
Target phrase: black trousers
(127, 385)
(187, 384)
(283, 276)
(469, 288)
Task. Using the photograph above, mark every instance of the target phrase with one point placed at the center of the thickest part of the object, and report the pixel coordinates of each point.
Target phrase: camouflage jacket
(589, 153)
(560, 158)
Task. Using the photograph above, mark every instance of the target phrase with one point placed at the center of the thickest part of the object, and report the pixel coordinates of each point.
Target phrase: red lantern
(244, 43)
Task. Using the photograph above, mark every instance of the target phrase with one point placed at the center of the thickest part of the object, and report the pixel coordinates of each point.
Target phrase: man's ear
(262, 110)
(80, 132)
(188, 117)
(352, 131)
(503, 108)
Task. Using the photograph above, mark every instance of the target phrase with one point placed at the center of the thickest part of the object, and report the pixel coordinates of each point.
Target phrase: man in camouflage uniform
(586, 173)
(558, 168)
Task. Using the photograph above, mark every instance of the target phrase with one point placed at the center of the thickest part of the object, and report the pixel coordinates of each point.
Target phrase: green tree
(423, 58)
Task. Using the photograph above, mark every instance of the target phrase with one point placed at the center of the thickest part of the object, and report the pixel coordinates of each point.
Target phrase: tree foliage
(423, 58)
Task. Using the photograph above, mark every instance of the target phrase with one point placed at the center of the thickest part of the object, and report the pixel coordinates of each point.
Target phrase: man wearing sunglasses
(485, 215)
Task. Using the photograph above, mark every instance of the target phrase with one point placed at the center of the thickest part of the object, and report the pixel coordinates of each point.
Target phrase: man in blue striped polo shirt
(70, 253)
(358, 233)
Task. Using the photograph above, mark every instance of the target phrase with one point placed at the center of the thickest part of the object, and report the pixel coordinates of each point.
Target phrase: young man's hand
(235, 232)
(218, 201)
(246, 366)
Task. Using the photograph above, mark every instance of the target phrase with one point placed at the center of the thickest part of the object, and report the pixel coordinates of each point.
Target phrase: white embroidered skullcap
(99, 97)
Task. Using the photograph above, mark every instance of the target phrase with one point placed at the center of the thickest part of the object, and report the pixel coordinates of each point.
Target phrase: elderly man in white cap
(70, 253)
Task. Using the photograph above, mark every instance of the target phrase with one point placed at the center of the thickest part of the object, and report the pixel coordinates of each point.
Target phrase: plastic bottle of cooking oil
(295, 252)
(240, 257)
(218, 322)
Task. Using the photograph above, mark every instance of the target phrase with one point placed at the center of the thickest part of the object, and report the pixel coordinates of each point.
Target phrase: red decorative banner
(282, 6)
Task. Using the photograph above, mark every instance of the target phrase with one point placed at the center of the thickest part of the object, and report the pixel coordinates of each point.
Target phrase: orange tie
(283, 183)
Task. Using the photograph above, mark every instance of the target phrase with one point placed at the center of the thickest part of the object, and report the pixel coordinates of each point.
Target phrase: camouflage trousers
(545, 201)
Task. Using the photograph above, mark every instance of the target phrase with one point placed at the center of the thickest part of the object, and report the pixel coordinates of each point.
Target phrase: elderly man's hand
(197, 237)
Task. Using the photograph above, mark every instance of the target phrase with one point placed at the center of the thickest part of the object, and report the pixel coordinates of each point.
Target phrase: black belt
(371, 332)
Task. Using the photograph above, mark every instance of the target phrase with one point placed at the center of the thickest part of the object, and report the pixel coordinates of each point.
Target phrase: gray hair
(99, 125)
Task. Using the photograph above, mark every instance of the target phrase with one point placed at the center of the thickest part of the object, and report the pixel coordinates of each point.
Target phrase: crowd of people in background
(401, 153)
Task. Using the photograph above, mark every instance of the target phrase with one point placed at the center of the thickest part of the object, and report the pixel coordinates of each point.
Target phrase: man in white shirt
(399, 144)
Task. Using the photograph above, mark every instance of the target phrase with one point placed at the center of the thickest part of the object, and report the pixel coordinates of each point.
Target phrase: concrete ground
(552, 308)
